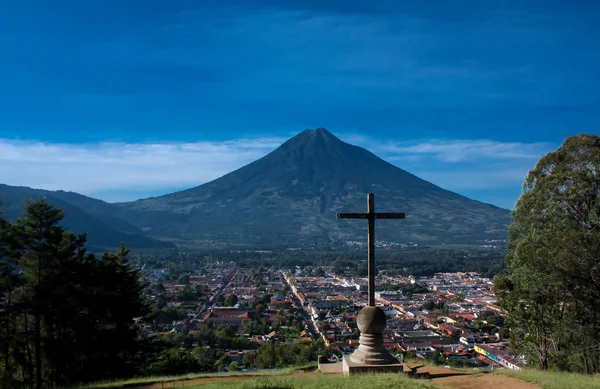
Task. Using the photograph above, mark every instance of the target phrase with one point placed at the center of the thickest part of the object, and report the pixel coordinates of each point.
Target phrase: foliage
(183, 279)
(407, 289)
(430, 305)
(68, 315)
(175, 361)
(256, 326)
(231, 300)
(273, 354)
(423, 262)
(492, 318)
(551, 288)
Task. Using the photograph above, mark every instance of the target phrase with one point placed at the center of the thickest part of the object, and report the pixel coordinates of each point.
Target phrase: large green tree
(551, 287)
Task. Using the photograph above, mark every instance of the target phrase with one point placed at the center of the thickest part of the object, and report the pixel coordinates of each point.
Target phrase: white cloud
(469, 150)
(139, 168)
(454, 150)
(89, 168)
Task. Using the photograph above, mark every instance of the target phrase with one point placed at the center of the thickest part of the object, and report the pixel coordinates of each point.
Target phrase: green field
(284, 378)
(141, 381)
(555, 380)
(295, 378)
(383, 381)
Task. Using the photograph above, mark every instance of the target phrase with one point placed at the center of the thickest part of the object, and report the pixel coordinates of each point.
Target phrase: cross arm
(378, 215)
(352, 215)
(387, 215)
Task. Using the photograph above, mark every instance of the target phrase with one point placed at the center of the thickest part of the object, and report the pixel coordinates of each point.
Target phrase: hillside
(291, 197)
(428, 377)
(82, 215)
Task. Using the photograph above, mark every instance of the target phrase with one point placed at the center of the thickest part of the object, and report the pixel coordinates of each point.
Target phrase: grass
(138, 381)
(383, 381)
(554, 380)
(287, 379)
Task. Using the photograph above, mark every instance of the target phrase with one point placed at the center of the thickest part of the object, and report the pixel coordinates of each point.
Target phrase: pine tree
(9, 282)
(41, 238)
(76, 322)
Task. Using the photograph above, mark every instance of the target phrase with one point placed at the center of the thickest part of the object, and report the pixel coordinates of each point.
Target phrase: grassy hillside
(554, 379)
(285, 378)
(383, 381)
(295, 378)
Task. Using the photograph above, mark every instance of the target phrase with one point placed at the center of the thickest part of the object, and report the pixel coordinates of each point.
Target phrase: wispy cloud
(469, 150)
(464, 166)
(112, 170)
(452, 150)
(102, 167)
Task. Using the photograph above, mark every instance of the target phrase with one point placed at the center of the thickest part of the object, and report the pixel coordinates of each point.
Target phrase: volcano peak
(319, 135)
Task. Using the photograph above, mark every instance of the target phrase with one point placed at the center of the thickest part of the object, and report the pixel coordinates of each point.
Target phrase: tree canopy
(551, 287)
(67, 315)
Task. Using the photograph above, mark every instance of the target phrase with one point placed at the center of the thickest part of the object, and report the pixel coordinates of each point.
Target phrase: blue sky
(126, 99)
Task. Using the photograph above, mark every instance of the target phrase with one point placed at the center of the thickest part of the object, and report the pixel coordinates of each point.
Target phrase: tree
(184, 279)
(67, 316)
(10, 280)
(42, 240)
(231, 300)
(222, 362)
(186, 294)
(205, 357)
(224, 336)
(259, 308)
(174, 362)
(160, 289)
(493, 319)
(234, 366)
(272, 354)
(118, 303)
(241, 343)
(319, 272)
(551, 287)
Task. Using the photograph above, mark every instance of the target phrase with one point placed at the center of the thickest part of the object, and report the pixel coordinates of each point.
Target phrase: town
(230, 311)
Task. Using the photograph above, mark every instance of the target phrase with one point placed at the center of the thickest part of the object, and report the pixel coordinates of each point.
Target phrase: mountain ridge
(103, 230)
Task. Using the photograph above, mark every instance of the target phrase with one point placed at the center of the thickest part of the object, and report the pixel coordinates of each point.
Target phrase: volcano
(291, 197)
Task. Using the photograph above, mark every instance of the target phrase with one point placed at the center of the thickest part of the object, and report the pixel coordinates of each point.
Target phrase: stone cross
(371, 215)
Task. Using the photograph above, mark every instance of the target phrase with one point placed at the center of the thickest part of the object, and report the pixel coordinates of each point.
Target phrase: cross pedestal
(371, 356)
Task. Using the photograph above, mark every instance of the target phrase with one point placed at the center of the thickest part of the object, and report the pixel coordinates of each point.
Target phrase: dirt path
(457, 379)
(486, 381)
(432, 372)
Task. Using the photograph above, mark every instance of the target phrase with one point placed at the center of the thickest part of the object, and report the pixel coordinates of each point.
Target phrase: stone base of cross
(371, 322)
(371, 355)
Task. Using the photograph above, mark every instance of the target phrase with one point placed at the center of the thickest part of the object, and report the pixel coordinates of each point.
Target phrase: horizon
(130, 101)
(450, 151)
